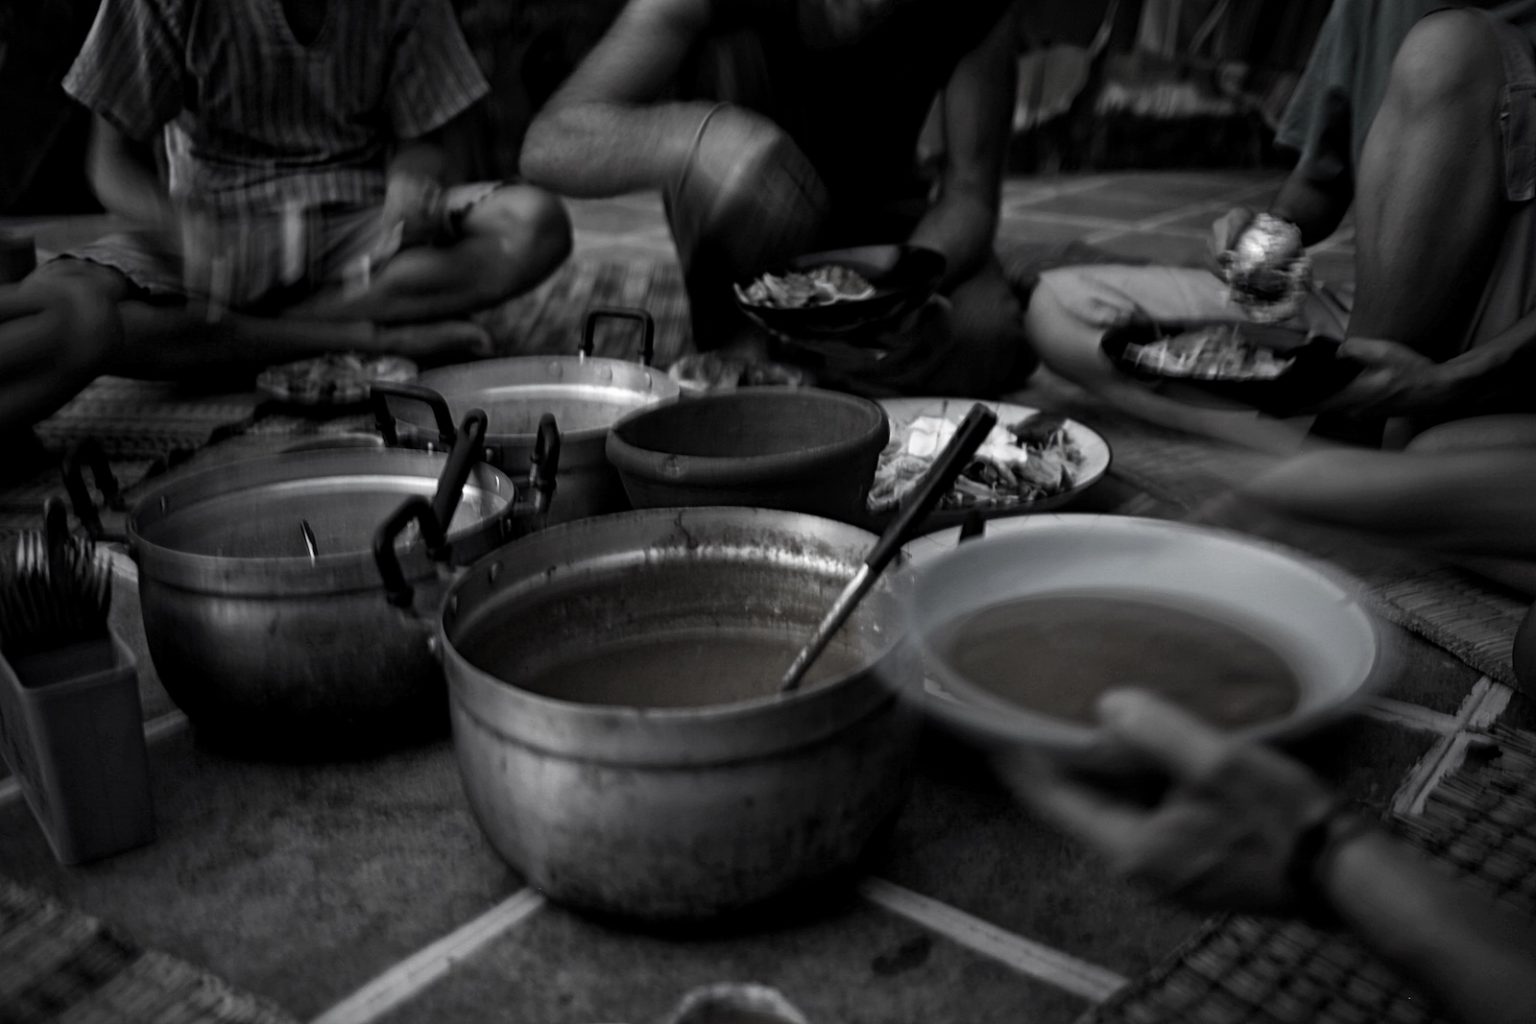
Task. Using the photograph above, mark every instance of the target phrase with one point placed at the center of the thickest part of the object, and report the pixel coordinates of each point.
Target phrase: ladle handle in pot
(396, 590)
(647, 329)
(968, 437)
(545, 461)
(89, 453)
(380, 392)
(467, 450)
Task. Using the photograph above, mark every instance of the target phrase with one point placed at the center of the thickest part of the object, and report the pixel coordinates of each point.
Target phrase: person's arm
(602, 133)
(977, 105)
(1244, 828)
(125, 178)
(1478, 959)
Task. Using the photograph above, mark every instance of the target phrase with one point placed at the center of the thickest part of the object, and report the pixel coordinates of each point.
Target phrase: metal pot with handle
(586, 394)
(261, 590)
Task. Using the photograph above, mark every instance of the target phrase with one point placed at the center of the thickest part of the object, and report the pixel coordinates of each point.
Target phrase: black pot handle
(379, 394)
(398, 592)
(467, 450)
(545, 462)
(640, 316)
(88, 453)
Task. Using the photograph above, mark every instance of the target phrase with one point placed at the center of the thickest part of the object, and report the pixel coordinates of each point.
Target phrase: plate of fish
(1032, 461)
(842, 293)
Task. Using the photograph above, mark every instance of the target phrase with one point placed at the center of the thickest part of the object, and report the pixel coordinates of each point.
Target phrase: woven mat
(1480, 822)
(58, 964)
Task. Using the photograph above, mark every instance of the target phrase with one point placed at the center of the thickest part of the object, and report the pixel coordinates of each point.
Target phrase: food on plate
(1018, 463)
(1080, 645)
(710, 371)
(819, 286)
(337, 378)
(1217, 352)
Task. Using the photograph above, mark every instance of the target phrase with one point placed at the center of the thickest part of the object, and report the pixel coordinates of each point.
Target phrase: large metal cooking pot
(262, 600)
(586, 394)
(676, 812)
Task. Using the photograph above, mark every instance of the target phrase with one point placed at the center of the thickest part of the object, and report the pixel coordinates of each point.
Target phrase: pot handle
(467, 449)
(545, 462)
(398, 592)
(379, 394)
(88, 453)
(640, 316)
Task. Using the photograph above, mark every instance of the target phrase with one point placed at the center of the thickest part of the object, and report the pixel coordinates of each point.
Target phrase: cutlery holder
(72, 731)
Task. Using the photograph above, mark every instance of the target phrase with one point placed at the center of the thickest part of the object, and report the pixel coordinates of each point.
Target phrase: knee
(1448, 58)
(990, 344)
(80, 322)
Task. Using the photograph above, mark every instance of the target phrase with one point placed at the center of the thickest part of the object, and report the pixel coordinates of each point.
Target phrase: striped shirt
(253, 119)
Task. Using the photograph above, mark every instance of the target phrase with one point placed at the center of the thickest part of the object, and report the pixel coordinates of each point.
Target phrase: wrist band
(1312, 856)
(693, 147)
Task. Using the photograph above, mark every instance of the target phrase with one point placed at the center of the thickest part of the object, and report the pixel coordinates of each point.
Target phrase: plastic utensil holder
(72, 731)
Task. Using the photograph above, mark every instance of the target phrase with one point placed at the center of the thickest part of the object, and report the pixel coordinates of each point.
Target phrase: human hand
(1225, 833)
(748, 193)
(1395, 380)
(412, 214)
(1225, 231)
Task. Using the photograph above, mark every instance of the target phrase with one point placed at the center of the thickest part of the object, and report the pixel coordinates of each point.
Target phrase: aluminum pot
(586, 394)
(692, 810)
(263, 604)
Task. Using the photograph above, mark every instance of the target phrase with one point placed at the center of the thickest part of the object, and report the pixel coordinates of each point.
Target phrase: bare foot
(443, 338)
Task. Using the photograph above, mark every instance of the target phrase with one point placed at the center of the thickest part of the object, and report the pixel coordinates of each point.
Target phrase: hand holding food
(1266, 268)
(1237, 828)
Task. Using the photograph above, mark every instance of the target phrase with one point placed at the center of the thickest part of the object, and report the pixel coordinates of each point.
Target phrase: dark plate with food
(842, 293)
(1032, 461)
(1275, 369)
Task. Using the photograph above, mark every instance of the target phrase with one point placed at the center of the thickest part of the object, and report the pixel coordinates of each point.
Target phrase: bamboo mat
(1480, 823)
(57, 965)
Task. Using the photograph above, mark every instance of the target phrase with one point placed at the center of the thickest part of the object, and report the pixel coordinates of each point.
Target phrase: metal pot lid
(586, 395)
(303, 510)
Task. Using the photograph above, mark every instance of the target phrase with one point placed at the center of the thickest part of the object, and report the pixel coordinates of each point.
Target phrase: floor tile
(1158, 247)
(376, 858)
(962, 839)
(855, 964)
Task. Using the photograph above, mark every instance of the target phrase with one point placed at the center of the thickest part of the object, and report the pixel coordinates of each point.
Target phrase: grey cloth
(1346, 77)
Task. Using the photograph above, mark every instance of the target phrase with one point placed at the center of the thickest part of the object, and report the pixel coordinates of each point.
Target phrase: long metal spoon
(935, 482)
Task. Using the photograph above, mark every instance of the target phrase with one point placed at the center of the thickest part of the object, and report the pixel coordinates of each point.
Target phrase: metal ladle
(934, 483)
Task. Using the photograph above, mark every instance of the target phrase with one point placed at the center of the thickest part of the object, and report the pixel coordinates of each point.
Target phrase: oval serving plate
(903, 412)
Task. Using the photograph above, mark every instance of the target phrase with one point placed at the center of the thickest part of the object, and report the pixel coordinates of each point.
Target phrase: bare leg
(1429, 207)
(513, 239)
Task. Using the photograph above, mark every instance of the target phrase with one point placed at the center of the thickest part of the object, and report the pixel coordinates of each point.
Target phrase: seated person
(304, 208)
(1244, 828)
(1399, 115)
(779, 127)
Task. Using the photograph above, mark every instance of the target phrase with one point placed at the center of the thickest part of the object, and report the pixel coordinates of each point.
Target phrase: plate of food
(338, 378)
(842, 293)
(1275, 369)
(1031, 462)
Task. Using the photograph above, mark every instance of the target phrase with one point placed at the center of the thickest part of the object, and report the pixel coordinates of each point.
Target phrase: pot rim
(557, 369)
(714, 470)
(298, 574)
(715, 732)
